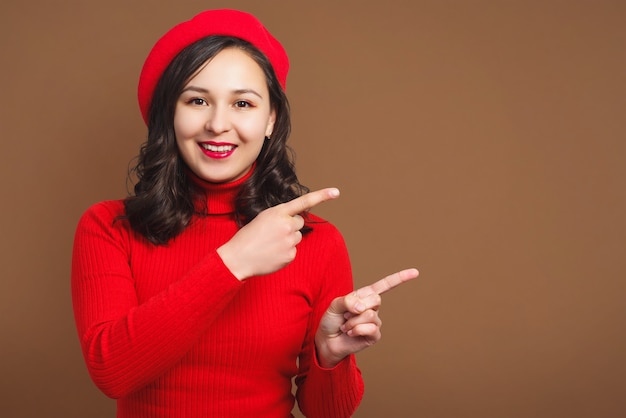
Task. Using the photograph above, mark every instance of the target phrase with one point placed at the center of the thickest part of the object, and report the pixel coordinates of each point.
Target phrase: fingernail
(333, 192)
(359, 307)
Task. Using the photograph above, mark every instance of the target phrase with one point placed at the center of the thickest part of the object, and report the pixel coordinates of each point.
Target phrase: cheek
(179, 126)
(256, 128)
(180, 140)
(186, 123)
(183, 133)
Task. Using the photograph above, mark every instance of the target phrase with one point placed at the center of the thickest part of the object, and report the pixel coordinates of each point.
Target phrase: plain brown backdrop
(480, 141)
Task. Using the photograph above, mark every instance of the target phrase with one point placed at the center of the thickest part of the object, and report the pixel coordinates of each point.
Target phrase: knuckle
(285, 228)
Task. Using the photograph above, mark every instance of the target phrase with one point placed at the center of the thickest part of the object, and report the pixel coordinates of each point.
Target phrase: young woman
(211, 287)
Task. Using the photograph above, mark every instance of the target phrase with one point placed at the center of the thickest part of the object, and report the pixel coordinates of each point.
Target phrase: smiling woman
(211, 288)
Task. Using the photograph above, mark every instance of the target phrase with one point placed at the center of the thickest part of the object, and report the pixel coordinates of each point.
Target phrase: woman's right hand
(268, 242)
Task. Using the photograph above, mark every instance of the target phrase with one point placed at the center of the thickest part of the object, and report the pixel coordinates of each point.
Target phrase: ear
(270, 123)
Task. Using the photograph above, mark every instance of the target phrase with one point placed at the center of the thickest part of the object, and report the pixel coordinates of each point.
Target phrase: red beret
(224, 22)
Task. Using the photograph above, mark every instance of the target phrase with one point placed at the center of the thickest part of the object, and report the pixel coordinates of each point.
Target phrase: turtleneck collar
(220, 197)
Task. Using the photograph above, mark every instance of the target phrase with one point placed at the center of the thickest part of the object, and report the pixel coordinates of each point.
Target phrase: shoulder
(323, 252)
(108, 209)
(102, 215)
(321, 227)
(323, 235)
(111, 207)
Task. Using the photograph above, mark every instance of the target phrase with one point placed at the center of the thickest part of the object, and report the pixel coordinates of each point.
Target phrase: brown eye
(197, 101)
(242, 104)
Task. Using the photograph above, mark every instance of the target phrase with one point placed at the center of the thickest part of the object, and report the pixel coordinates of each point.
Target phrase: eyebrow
(238, 91)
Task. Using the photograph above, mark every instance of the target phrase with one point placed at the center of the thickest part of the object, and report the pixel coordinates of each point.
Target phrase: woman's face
(223, 116)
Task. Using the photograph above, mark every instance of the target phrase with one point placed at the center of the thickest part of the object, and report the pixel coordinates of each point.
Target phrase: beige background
(480, 141)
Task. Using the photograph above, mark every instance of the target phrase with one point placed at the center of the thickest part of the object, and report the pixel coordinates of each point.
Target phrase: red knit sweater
(170, 332)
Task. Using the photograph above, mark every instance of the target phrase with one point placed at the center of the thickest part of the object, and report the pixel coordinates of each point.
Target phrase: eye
(197, 101)
(242, 104)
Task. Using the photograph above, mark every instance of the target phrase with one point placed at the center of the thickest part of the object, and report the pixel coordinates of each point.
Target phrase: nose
(218, 120)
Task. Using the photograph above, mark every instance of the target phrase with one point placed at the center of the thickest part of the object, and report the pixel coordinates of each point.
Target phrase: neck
(218, 198)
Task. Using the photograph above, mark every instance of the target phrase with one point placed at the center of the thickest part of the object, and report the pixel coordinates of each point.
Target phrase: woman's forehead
(231, 68)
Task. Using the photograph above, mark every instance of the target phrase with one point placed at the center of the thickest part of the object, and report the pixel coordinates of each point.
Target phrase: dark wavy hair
(163, 201)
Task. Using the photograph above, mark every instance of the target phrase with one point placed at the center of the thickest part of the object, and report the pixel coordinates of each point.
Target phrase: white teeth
(218, 148)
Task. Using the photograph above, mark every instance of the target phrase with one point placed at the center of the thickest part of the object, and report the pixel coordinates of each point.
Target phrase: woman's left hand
(351, 322)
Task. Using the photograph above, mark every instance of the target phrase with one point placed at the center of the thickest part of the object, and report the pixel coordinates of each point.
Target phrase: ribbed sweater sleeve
(128, 343)
(336, 392)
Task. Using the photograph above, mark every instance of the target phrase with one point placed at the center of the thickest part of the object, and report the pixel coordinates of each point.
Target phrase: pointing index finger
(387, 283)
(309, 200)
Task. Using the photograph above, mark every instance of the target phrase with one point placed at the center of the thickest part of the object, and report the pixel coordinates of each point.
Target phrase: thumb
(348, 303)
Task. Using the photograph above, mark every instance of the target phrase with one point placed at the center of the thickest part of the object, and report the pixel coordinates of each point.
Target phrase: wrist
(231, 263)
(324, 357)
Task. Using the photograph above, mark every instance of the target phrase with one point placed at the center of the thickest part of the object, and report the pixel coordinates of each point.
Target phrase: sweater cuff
(345, 375)
(214, 261)
(340, 388)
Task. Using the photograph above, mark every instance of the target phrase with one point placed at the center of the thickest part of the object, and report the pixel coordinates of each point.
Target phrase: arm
(126, 345)
(337, 391)
(329, 383)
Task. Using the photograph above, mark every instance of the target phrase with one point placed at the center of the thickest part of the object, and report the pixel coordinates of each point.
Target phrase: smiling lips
(217, 150)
